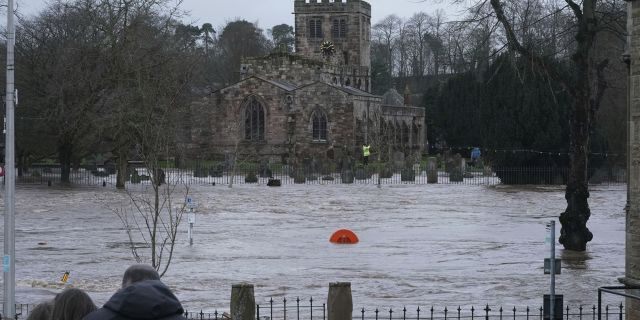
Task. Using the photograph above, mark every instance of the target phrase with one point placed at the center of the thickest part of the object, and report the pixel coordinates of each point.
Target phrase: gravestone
(432, 170)
(263, 169)
(457, 168)
(347, 176)
(398, 159)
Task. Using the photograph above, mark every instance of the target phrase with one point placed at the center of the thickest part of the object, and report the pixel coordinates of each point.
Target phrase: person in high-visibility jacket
(365, 153)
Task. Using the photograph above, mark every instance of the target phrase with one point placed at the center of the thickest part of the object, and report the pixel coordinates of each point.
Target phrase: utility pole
(552, 293)
(9, 260)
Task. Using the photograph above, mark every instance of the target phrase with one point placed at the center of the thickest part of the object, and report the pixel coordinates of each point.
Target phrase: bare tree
(386, 33)
(586, 87)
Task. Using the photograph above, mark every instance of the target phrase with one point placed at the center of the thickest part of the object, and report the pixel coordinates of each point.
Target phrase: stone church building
(312, 104)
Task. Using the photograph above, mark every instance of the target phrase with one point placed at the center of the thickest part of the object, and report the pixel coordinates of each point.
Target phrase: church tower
(347, 25)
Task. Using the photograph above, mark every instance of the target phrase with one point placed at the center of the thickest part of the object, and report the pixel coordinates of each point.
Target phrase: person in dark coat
(143, 297)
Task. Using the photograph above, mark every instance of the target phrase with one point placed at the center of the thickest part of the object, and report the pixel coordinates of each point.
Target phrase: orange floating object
(344, 236)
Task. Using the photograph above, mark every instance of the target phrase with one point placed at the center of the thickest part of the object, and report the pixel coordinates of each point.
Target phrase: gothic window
(254, 121)
(319, 123)
(339, 28)
(315, 28)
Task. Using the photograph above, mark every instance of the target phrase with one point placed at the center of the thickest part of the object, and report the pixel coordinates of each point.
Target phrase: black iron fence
(300, 309)
(208, 174)
(22, 310)
(309, 309)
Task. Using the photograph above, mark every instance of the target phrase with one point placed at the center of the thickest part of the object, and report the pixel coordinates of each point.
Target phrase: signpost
(191, 217)
(550, 264)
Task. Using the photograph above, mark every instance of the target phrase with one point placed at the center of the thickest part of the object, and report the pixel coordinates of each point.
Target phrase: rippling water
(419, 245)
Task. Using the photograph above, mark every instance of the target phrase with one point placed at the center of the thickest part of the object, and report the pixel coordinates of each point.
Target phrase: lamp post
(8, 260)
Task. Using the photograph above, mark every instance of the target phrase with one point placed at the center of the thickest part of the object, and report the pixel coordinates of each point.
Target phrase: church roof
(282, 84)
(290, 87)
(348, 90)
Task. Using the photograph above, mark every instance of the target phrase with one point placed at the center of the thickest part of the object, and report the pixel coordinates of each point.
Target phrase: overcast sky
(272, 12)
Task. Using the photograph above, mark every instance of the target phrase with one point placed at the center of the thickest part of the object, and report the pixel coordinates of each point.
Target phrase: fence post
(621, 307)
(243, 302)
(339, 301)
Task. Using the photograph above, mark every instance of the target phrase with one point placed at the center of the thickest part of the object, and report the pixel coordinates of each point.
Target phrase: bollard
(339, 301)
(243, 302)
(432, 170)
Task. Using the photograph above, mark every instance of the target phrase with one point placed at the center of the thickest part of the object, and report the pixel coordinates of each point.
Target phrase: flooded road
(419, 245)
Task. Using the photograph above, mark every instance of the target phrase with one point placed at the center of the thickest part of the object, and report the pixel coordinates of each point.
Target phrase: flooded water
(419, 245)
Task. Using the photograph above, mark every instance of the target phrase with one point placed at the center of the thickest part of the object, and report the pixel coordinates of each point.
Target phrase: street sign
(547, 266)
(190, 203)
(192, 217)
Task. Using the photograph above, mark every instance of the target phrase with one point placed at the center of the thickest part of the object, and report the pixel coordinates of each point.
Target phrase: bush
(135, 177)
(200, 173)
(216, 171)
(251, 178)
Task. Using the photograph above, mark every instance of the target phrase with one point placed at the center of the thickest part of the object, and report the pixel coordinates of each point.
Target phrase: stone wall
(284, 66)
(218, 121)
(339, 108)
(301, 70)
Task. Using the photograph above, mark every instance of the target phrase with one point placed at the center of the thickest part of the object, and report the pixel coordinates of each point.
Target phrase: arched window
(254, 120)
(319, 123)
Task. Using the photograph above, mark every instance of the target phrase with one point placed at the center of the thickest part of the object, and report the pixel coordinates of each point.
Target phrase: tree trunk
(121, 177)
(65, 152)
(574, 233)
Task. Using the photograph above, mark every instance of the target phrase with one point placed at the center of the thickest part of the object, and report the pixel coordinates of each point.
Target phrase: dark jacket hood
(145, 300)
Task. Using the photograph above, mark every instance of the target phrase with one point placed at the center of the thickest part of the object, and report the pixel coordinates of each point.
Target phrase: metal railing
(370, 175)
(618, 291)
(302, 309)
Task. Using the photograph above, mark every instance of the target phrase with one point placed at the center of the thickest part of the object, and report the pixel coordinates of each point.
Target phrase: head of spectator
(142, 297)
(72, 304)
(42, 311)
(139, 272)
